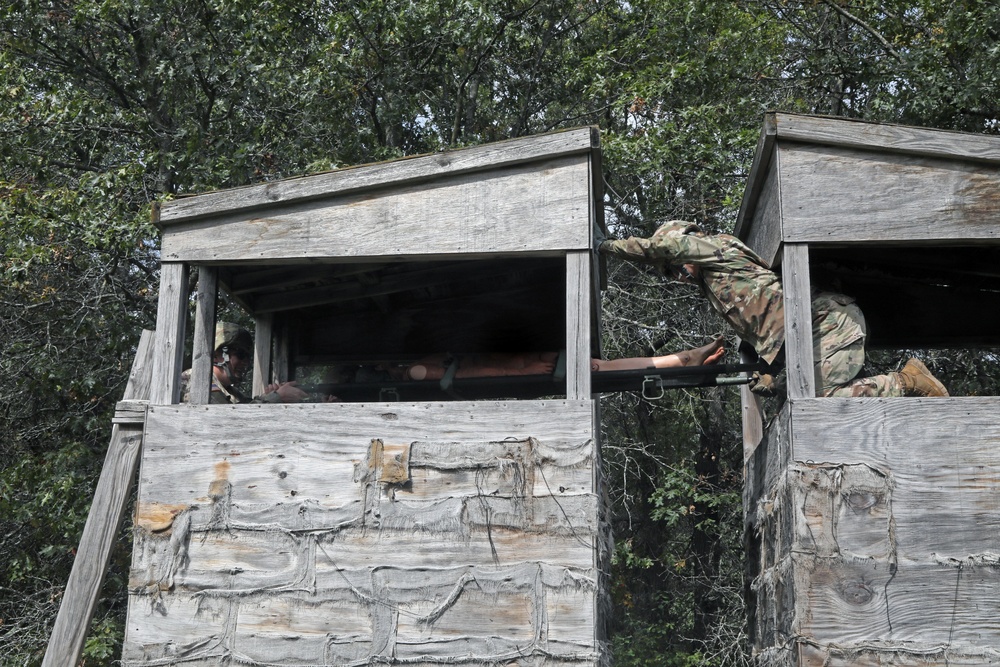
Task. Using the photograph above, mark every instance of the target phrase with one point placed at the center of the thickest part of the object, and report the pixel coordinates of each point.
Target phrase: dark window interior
(918, 296)
(339, 318)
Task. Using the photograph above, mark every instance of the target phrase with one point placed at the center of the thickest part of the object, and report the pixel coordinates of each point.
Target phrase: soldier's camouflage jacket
(740, 288)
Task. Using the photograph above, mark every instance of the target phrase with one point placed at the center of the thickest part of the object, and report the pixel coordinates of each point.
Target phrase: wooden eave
(393, 173)
(860, 135)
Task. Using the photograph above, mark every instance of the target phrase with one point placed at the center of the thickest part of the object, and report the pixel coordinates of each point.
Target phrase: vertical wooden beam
(262, 353)
(753, 414)
(578, 298)
(203, 345)
(281, 362)
(798, 321)
(114, 488)
(171, 320)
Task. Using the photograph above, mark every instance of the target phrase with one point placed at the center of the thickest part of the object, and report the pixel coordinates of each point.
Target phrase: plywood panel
(305, 535)
(396, 173)
(833, 194)
(887, 138)
(889, 507)
(764, 233)
(467, 214)
(795, 281)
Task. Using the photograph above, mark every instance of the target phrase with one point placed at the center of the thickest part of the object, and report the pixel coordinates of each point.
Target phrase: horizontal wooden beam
(385, 174)
(541, 207)
(882, 137)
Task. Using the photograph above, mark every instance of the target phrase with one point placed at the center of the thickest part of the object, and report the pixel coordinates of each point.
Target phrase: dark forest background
(109, 105)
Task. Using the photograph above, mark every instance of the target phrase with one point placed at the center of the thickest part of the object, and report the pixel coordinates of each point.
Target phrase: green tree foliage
(108, 105)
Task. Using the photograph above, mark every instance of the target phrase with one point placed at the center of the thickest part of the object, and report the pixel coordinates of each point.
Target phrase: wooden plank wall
(340, 534)
(880, 536)
(536, 207)
(764, 233)
(832, 194)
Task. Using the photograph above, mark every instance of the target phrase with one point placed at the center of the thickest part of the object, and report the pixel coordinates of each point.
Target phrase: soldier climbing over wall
(748, 295)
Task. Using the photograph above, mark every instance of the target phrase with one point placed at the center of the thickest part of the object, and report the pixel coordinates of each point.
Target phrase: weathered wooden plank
(203, 344)
(499, 568)
(271, 461)
(887, 138)
(579, 296)
(485, 608)
(752, 412)
(466, 215)
(171, 322)
(763, 232)
(554, 421)
(889, 511)
(396, 173)
(922, 605)
(901, 654)
(254, 558)
(760, 168)
(104, 518)
(262, 343)
(941, 454)
(795, 284)
(898, 198)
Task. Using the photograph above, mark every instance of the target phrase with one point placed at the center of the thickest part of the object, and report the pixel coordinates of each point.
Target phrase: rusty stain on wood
(157, 517)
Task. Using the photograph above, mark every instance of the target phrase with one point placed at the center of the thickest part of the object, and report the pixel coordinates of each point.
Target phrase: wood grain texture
(752, 412)
(832, 194)
(114, 488)
(888, 508)
(466, 214)
(269, 534)
(579, 302)
(761, 166)
(203, 344)
(764, 233)
(171, 323)
(884, 138)
(797, 291)
(262, 344)
(388, 174)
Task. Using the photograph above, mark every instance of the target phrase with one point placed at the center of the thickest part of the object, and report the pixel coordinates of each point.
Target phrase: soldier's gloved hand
(599, 237)
(763, 384)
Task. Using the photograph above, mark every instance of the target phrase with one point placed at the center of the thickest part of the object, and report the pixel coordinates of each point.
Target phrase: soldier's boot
(918, 381)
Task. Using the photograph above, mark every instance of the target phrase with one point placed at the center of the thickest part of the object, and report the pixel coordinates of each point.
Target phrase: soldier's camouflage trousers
(837, 375)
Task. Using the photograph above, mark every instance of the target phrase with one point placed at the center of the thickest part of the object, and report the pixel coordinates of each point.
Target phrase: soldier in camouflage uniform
(230, 363)
(749, 296)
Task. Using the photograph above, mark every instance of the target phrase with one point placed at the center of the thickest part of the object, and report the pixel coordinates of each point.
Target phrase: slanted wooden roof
(905, 219)
(460, 251)
(481, 200)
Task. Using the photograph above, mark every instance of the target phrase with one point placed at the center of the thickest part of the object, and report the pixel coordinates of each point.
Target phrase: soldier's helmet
(233, 337)
(677, 227)
(673, 227)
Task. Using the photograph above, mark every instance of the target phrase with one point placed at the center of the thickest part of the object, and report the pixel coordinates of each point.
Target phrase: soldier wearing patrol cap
(748, 295)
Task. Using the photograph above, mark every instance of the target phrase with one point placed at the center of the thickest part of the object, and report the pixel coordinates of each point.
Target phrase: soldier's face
(239, 364)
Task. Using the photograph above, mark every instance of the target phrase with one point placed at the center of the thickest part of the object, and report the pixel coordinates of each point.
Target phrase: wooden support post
(798, 321)
(280, 363)
(114, 488)
(753, 413)
(203, 346)
(171, 321)
(262, 353)
(578, 292)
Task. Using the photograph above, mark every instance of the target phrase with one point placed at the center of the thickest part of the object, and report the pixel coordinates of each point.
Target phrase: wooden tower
(873, 525)
(414, 524)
